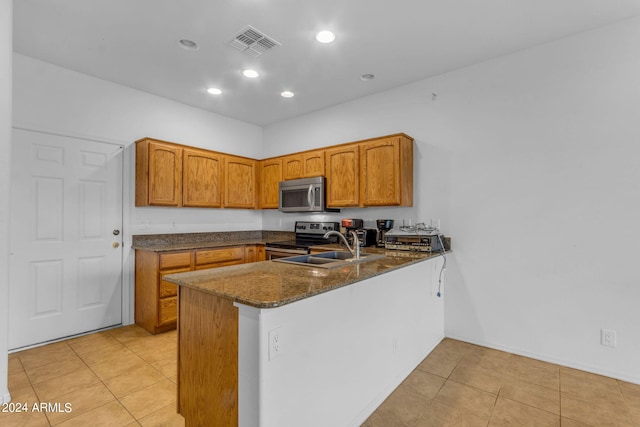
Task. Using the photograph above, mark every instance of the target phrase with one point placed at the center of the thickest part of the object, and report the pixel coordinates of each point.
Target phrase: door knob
(115, 244)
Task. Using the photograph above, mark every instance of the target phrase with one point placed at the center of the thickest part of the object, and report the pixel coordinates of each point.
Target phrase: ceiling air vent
(253, 42)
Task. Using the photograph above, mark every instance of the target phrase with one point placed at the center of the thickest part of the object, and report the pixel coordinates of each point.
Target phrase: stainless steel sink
(328, 259)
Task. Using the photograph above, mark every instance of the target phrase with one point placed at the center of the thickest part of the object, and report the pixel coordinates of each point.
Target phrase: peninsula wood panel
(343, 176)
(207, 359)
(158, 173)
(386, 172)
(239, 182)
(202, 178)
(270, 177)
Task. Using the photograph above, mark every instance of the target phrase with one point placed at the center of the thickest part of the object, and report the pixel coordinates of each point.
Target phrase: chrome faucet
(355, 252)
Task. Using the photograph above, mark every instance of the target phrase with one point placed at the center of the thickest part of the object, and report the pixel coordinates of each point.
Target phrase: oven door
(275, 253)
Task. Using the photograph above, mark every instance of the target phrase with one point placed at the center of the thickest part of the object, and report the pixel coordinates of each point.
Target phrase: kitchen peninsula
(273, 344)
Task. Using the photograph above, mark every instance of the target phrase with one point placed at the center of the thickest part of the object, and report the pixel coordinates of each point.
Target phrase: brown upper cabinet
(240, 182)
(158, 173)
(386, 172)
(169, 174)
(292, 167)
(343, 176)
(303, 165)
(270, 177)
(202, 178)
(373, 172)
(313, 163)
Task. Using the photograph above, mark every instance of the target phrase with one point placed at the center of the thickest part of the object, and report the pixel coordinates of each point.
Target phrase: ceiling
(134, 43)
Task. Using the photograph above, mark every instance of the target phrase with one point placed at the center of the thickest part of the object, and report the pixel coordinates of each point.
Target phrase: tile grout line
(34, 389)
(101, 382)
(137, 420)
(624, 399)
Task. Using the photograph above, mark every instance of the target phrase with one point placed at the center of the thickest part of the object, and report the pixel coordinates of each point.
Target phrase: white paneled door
(66, 237)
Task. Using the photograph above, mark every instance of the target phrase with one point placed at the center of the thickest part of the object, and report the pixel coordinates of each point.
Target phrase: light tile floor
(126, 377)
(461, 384)
(119, 377)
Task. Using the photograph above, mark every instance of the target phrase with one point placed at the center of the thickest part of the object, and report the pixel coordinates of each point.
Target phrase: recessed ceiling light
(367, 77)
(188, 44)
(252, 74)
(325, 36)
(214, 91)
(286, 94)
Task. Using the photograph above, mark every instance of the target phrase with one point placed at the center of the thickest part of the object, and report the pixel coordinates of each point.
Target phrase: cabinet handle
(310, 198)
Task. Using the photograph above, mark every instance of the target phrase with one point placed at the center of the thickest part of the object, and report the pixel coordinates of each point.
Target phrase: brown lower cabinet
(156, 299)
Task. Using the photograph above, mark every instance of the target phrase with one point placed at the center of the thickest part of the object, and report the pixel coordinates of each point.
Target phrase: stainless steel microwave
(303, 195)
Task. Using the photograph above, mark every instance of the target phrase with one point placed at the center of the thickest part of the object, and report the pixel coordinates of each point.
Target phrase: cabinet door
(239, 182)
(386, 168)
(343, 177)
(261, 253)
(168, 289)
(313, 163)
(293, 166)
(168, 311)
(254, 253)
(165, 174)
(270, 177)
(250, 253)
(202, 173)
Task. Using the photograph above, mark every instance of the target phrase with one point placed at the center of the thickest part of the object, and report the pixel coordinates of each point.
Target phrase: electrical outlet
(608, 337)
(275, 343)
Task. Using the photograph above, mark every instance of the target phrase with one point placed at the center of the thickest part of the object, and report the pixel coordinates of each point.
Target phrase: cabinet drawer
(168, 289)
(219, 264)
(213, 256)
(168, 310)
(175, 259)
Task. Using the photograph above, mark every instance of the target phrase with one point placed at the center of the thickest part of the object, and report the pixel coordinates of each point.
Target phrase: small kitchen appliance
(383, 225)
(415, 239)
(351, 224)
(307, 234)
(367, 237)
(303, 195)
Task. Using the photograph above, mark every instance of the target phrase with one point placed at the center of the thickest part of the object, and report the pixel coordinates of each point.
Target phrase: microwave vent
(253, 42)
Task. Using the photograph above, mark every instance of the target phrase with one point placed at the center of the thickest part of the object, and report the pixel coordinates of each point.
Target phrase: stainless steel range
(307, 234)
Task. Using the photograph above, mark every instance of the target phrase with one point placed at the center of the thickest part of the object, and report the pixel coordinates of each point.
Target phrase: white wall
(58, 100)
(531, 162)
(346, 350)
(47, 97)
(6, 47)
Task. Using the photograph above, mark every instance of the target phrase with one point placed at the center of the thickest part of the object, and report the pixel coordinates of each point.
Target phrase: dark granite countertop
(188, 241)
(270, 284)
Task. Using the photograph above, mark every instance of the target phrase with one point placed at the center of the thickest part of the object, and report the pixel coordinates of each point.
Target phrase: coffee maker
(351, 224)
(383, 225)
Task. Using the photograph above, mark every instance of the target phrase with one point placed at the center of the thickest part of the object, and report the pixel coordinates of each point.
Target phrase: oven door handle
(310, 198)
